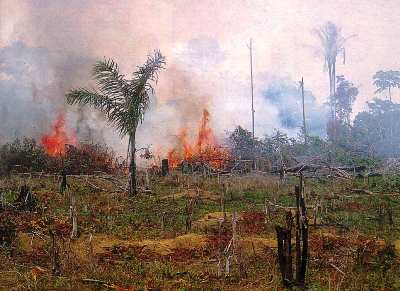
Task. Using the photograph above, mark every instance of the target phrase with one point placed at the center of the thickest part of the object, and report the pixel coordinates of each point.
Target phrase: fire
(205, 150)
(54, 143)
(206, 137)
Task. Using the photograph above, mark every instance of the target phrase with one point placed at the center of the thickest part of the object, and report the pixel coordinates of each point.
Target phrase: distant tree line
(369, 139)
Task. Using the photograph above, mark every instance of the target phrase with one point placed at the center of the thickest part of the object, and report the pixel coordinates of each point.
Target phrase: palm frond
(110, 82)
(123, 102)
(149, 71)
(100, 102)
(83, 96)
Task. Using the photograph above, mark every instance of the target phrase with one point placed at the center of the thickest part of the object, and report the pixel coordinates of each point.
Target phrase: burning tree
(124, 102)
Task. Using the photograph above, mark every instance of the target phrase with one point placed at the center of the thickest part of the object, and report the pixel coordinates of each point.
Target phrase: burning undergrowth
(203, 150)
(31, 156)
(57, 150)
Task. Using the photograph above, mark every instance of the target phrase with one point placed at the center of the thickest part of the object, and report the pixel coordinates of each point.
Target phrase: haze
(48, 48)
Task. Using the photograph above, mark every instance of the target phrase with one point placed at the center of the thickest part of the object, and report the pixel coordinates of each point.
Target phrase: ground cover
(195, 232)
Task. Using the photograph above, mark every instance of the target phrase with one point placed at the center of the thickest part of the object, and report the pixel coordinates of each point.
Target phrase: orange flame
(54, 142)
(206, 149)
(206, 137)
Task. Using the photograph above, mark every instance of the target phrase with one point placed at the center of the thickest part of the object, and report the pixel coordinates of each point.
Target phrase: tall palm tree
(332, 43)
(124, 102)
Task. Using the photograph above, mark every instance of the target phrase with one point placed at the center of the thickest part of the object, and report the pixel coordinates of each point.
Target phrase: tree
(379, 129)
(344, 98)
(242, 144)
(331, 44)
(386, 80)
(278, 148)
(124, 102)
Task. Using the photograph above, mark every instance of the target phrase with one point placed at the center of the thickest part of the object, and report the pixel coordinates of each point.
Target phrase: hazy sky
(48, 47)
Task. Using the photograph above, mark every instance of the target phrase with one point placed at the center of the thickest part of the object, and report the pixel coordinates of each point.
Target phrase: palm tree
(332, 43)
(124, 102)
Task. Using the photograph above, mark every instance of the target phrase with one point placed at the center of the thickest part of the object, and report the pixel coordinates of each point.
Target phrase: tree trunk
(304, 256)
(330, 78)
(285, 250)
(132, 166)
(333, 91)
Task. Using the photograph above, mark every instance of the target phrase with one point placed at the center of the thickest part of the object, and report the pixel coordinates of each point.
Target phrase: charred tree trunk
(390, 217)
(298, 233)
(64, 183)
(304, 238)
(304, 256)
(25, 197)
(164, 167)
(284, 242)
(284, 237)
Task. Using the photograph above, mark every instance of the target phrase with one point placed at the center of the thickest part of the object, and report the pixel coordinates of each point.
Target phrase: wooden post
(234, 234)
(298, 233)
(91, 250)
(64, 180)
(109, 221)
(280, 235)
(147, 186)
(188, 223)
(163, 221)
(390, 215)
(304, 238)
(288, 246)
(302, 187)
(74, 231)
(223, 202)
(301, 236)
(227, 266)
(55, 262)
(315, 212)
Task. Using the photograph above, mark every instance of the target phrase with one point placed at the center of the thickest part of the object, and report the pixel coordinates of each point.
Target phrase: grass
(132, 246)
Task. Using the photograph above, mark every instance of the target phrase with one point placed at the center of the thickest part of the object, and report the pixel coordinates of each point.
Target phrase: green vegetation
(171, 238)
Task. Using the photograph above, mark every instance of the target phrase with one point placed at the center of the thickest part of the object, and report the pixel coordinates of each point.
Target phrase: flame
(54, 143)
(205, 150)
(206, 137)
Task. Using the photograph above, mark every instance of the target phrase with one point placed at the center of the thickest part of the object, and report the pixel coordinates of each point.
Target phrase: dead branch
(95, 281)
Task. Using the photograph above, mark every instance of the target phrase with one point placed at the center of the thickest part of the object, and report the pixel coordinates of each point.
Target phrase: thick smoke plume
(33, 82)
(49, 47)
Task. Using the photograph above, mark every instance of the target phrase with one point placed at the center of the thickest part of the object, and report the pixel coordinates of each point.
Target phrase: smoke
(58, 43)
(33, 82)
(285, 97)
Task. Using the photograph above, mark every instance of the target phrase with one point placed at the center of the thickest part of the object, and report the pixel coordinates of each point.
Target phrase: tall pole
(252, 95)
(304, 112)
